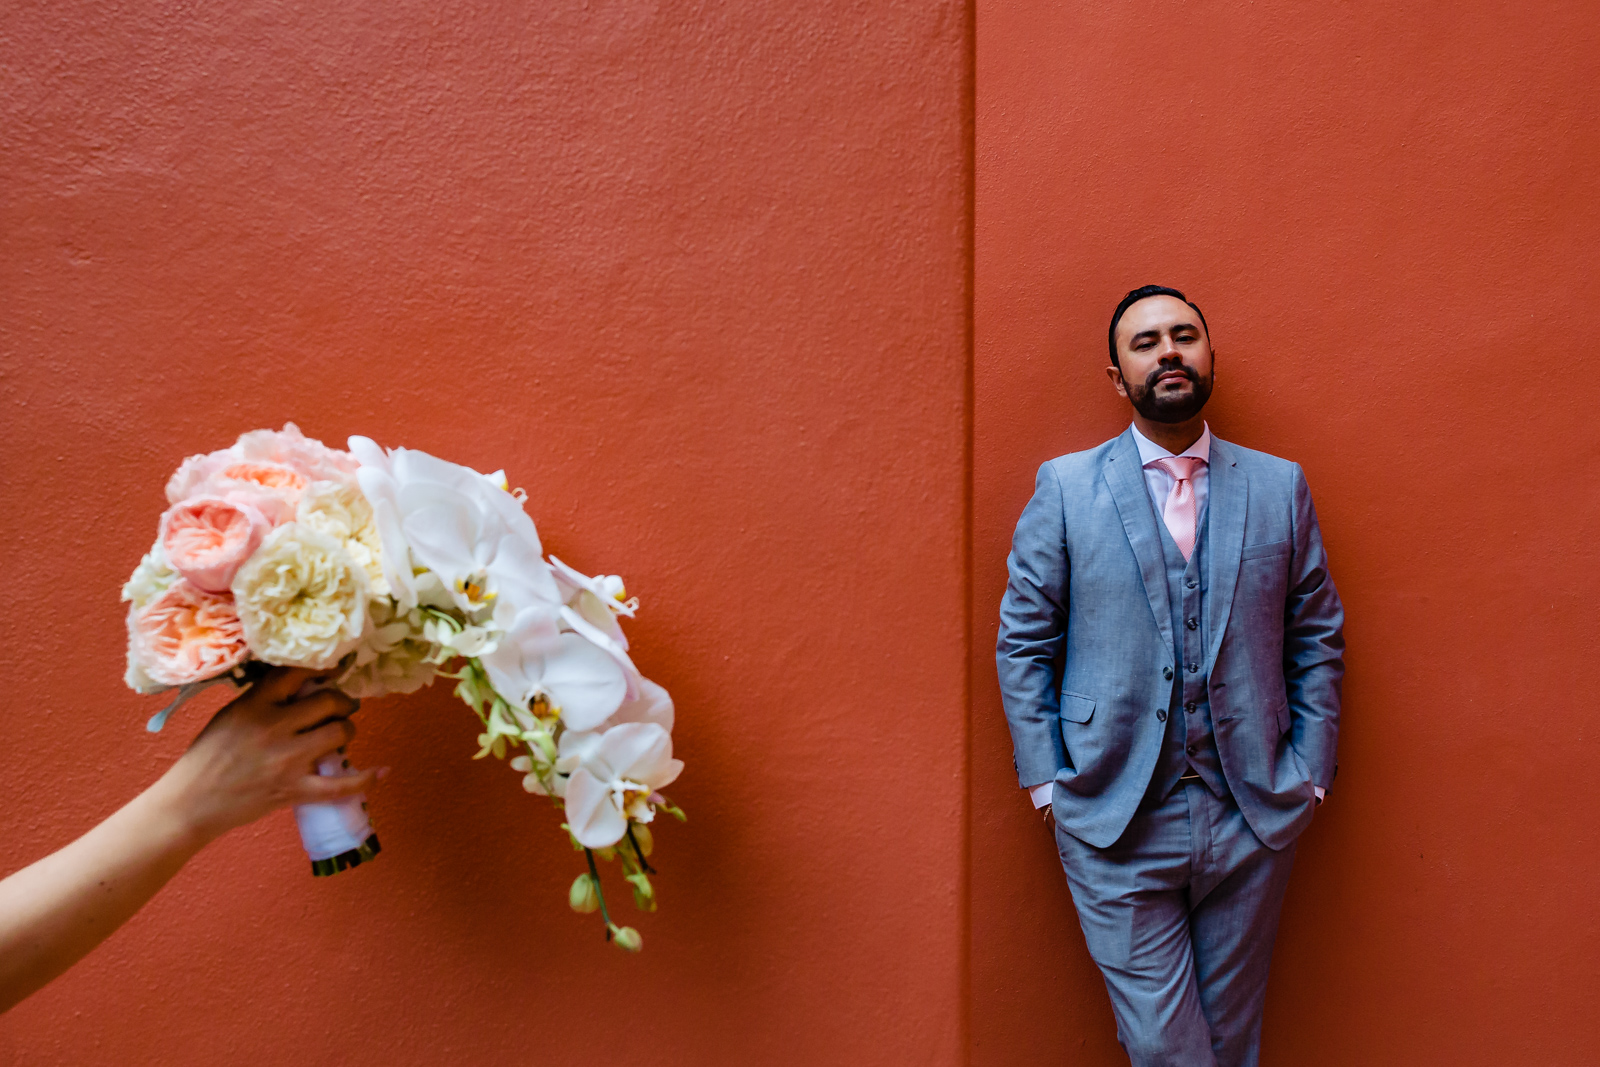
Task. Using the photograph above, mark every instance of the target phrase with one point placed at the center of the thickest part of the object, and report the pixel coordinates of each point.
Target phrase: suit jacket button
(1166, 672)
(1161, 714)
(1191, 750)
(1189, 706)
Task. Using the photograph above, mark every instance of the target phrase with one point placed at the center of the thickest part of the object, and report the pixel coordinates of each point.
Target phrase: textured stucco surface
(1390, 214)
(695, 274)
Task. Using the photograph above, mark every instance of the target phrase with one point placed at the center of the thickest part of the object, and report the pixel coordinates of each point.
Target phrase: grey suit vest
(1188, 741)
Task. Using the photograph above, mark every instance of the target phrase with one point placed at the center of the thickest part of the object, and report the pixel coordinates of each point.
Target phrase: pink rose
(289, 447)
(272, 489)
(268, 469)
(208, 538)
(195, 471)
(187, 635)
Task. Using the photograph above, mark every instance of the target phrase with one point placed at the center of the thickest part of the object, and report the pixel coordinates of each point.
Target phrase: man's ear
(1114, 372)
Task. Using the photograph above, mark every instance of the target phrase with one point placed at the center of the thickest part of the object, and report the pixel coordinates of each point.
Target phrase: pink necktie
(1179, 513)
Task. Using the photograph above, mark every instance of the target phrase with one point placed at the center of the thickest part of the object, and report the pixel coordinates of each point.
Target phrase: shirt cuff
(1321, 792)
(1041, 794)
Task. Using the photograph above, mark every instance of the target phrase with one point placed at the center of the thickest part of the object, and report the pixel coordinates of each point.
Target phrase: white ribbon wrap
(329, 830)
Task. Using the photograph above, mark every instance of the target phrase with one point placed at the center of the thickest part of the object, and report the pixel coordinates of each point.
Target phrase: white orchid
(617, 773)
(654, 705)
(598, 600)
(456, 638)
(535, 659)
(590, 609)
(461, 525)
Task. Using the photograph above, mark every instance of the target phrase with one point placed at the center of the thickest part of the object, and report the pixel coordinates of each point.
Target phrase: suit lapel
(1125, 475)
(1228, 500)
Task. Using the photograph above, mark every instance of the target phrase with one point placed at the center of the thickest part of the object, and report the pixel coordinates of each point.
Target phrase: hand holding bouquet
(386, 569)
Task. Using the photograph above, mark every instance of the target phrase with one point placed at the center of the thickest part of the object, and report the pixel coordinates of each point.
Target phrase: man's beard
(1169, 409)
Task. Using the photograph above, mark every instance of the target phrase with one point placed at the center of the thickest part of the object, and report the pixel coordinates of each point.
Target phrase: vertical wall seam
(969, 108)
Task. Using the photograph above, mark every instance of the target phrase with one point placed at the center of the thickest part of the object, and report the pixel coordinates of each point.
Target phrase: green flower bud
(641, 834)
(644, 894)
(627, 938)
(584, 896)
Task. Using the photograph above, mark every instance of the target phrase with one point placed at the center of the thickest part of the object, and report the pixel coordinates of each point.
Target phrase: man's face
(1166, 370)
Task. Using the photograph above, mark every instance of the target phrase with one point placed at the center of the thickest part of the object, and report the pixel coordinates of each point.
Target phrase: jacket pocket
(1264, 550)
(1075, 707)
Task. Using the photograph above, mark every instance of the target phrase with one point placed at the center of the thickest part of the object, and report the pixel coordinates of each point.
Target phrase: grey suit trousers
(1180, 913)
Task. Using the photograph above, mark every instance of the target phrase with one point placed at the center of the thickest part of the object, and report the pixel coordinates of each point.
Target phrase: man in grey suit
(1170, 658)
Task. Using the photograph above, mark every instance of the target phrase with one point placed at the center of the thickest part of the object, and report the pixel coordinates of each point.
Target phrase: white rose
(342, 512)
(302, 599)
(136, 677)
(152, 577)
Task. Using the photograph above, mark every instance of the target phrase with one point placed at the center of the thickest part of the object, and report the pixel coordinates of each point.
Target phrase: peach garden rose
(187, 635)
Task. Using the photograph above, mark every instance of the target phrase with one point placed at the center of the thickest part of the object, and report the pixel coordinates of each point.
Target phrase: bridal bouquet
(388, 569)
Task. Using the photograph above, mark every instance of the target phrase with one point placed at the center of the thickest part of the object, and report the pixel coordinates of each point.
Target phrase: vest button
(1190, 583)
(1191, 750)
(1166, 672)
(1161, 715)
(1193, 667)
(1192, 624)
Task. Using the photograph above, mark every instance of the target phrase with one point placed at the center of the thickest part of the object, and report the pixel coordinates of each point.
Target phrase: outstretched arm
(255, 756)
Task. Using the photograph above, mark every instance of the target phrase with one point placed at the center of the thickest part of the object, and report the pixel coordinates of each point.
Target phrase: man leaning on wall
(1170, 659)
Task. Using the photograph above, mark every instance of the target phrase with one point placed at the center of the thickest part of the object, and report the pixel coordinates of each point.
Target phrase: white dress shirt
(1159, 483)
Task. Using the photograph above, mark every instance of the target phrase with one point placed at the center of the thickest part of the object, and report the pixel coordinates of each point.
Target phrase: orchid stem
(598, 892)
(644, 864)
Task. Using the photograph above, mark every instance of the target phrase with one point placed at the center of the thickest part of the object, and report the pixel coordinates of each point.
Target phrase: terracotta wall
(1389, 214)
(695, 274)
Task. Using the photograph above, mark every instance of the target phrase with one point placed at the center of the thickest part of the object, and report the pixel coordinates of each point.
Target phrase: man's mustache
(1157, 374)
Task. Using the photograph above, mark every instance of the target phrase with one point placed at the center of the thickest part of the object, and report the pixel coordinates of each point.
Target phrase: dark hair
(1133, 298)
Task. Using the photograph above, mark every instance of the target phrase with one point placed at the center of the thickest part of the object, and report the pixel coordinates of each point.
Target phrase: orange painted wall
(696, 275)
(1390, 214)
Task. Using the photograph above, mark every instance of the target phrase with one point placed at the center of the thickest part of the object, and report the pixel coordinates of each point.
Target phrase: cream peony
(342, 512)
(302, 599)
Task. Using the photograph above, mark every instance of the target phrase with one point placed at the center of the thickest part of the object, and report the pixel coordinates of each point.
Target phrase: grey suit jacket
(1086, 633)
